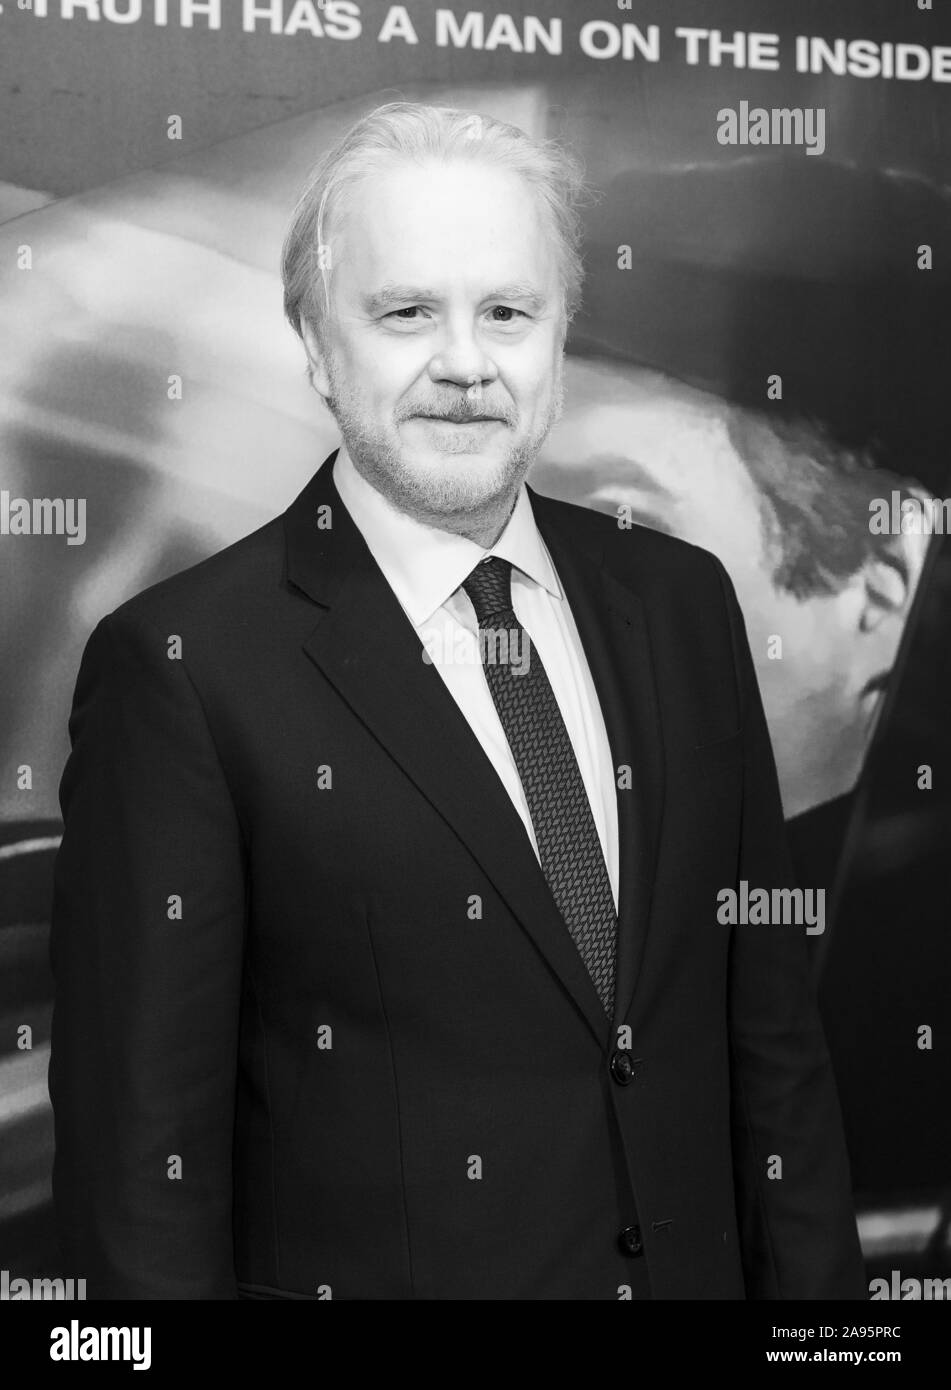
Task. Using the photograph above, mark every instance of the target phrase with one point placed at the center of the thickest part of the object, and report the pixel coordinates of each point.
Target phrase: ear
(890, 576)
(564, 325)
(317, 360)
(885, 591)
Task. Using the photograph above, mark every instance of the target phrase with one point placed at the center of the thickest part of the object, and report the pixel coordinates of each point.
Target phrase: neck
(483, 525)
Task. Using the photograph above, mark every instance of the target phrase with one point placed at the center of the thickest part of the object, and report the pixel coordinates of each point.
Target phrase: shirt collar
(425, 566)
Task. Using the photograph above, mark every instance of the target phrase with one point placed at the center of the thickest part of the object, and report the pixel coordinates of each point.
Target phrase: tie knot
(489, 586)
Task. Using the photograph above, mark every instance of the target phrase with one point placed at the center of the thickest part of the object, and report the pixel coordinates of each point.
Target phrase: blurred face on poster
(799, 557)
(441, 356)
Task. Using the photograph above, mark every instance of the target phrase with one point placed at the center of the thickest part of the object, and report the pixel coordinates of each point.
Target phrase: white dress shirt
(425, 568)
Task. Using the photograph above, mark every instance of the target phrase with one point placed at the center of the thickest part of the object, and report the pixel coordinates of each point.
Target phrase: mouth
(875, 687)
(462, 421)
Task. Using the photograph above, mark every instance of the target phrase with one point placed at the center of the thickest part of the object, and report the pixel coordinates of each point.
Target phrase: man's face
(636, 438)
(442, 357)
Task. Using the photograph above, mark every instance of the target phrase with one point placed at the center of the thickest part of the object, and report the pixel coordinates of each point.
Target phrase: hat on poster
(774, 266)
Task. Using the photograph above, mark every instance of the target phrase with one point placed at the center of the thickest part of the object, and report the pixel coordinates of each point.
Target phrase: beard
(439, 494)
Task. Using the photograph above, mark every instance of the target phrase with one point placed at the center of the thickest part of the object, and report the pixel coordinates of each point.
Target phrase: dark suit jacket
(364, 1059)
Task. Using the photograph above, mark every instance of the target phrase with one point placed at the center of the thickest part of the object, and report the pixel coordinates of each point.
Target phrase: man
(384, 976)
(787, 512)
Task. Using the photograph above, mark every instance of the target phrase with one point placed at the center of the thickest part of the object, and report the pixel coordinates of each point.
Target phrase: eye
(506, 310)
(409, 309)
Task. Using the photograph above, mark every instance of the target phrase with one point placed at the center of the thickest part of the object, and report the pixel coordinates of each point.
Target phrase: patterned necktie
(568, 844)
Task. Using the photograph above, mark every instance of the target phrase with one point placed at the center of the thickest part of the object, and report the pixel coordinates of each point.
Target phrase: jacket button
(630, 1241)
(622, 1067)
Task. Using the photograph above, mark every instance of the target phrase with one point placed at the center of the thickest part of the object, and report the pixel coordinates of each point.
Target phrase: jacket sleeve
(146, 944)
(796, 1221)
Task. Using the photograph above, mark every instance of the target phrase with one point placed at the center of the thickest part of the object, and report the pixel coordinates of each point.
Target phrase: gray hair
(412, 131)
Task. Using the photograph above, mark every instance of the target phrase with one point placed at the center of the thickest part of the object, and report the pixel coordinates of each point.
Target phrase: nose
(461, 360)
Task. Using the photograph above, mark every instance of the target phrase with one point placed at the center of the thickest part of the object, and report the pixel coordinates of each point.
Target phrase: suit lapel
(366, 647)
(612, 624)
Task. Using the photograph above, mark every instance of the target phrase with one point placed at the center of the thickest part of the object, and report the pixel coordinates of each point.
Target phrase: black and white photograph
(475, 766)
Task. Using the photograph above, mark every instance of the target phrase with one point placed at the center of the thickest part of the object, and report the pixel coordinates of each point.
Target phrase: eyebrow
(390, 294)
(614, 468)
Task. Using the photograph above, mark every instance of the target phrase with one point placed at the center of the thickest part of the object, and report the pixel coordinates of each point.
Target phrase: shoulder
(648, 561)
(217, 590)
